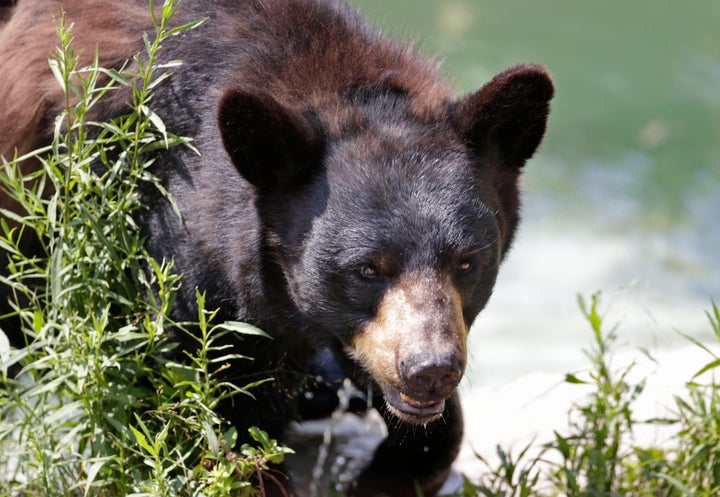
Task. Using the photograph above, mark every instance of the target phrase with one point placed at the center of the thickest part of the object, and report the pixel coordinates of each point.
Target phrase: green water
(624, 195)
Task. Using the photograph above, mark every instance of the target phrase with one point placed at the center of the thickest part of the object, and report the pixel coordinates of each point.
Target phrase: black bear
(343, 197)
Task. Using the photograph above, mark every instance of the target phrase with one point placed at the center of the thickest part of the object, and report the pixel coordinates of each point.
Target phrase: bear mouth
(412, 410)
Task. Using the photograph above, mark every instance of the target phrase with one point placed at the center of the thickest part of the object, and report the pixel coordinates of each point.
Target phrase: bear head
(389, 229)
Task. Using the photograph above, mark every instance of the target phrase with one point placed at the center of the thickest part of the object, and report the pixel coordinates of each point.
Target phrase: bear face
(401, 222)
(399, 260)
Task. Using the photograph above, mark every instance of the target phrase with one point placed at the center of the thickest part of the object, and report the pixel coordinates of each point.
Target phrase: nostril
(421, 382)
(449, 379)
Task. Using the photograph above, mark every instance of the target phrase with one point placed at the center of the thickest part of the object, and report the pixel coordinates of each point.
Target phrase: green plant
(97, 408)
(598, 456)
(515, 476)
(695, 467)
(594, 453)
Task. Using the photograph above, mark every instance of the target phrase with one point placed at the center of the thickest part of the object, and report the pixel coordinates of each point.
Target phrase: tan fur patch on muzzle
(419, 314)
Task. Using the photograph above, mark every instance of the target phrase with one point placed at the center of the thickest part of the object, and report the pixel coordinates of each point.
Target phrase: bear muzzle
(415, 348)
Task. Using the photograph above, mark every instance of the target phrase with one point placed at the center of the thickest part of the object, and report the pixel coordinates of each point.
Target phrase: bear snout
(430, 376)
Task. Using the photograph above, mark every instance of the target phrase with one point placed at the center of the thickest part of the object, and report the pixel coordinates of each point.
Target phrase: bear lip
(412, 410)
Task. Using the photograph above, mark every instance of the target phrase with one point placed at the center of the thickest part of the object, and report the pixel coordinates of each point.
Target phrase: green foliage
(598, 457)
(97, 409)
(594, 454)
(696, 470)
(516, 476)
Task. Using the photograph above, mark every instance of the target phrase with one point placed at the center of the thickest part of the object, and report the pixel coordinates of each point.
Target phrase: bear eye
(464, 266)
(369, 272)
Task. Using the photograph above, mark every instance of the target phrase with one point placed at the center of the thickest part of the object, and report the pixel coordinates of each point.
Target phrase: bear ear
(273, 147)
(505, 120)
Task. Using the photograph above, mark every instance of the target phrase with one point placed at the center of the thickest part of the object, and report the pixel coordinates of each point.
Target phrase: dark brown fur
(30, 94)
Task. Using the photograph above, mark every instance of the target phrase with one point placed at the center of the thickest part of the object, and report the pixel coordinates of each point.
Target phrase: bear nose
(431, 376)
